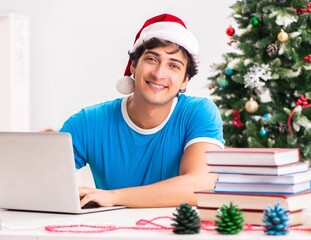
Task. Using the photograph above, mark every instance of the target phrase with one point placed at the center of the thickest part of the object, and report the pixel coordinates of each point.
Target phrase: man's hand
(95, 196)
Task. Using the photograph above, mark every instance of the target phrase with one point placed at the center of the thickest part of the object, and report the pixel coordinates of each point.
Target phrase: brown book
(253, 217)
(252, 201)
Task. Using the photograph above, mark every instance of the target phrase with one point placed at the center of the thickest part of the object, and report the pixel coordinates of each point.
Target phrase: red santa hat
(166, 27)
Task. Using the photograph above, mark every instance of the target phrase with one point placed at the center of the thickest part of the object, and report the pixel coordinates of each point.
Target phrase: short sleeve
(205, 123)
(75, 125)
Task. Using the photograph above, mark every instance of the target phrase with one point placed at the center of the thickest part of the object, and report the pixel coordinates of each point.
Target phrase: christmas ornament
(285, 20)
(271, 49)
(282, 126)
(302, 101)
(263, 132)
(266, 116)
(186, 220)
(255, 21)
(231, 42)
(230, 31)
(307, 58)
(282, 36)
(223, 83)
(276, 220)
(236, 119)
(230, 219)
(256, 75)
(301, 11)
(304, 10)
(255, 118)
(229, 71)
(251, 106)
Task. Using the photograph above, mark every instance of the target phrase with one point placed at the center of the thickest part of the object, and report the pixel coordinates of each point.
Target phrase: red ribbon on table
(85, 228)
(143, 225)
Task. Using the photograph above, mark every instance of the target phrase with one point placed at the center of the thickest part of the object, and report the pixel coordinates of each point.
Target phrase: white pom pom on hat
(166, 27)
(125, 85)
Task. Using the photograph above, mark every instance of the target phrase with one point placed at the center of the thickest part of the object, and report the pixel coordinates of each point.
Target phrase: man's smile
(156, 85)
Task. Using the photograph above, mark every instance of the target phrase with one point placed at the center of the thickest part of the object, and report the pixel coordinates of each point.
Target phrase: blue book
(262, 187)
(255, 178)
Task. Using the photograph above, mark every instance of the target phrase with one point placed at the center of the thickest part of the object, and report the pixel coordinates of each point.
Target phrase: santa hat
(166, 27)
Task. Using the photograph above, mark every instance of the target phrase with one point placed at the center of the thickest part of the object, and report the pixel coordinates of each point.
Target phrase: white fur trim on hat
(125, 85)
(170, 31)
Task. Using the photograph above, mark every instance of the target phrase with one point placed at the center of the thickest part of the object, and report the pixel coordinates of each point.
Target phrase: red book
(253, 156)
(253, 201)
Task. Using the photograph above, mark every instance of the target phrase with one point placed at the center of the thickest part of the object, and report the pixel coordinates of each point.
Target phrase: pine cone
(276, 220)
(230, 219)
(186, 220)
(282, 126)
(271, 49)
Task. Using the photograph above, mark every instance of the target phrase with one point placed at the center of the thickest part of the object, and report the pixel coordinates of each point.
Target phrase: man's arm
(193, 176)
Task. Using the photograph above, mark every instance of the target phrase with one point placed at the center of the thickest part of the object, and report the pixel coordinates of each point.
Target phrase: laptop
(37, 173)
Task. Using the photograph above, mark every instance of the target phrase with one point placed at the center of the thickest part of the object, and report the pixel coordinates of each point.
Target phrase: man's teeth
(156, 86)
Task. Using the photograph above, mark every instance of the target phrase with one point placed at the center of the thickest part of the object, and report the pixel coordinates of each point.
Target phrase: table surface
(30, 225)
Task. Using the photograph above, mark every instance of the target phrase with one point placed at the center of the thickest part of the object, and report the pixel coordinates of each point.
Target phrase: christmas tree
(263, 86)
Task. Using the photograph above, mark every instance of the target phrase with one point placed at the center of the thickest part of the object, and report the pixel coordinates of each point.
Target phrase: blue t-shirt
(120, 154)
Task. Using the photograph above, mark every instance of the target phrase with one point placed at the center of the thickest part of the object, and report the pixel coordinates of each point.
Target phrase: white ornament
(281, 49)
(293, 73)
(256, 76)
(294, 34)
(308, 67)
(234, 63)
(285, 20)
(248, 61)
(304, 122)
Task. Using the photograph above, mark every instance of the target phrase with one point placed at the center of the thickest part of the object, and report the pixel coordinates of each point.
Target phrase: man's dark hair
(192, 65)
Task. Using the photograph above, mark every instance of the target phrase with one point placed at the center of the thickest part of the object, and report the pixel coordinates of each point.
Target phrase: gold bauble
(251, 106)
(282, 36)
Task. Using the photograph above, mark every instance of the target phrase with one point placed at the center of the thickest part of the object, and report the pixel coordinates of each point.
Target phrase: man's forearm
(168, 193)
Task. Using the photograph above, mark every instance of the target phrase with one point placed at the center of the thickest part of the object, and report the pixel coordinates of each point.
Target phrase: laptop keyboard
(88, 206)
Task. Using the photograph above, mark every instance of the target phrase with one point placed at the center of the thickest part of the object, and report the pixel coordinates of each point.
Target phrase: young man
(148, 149)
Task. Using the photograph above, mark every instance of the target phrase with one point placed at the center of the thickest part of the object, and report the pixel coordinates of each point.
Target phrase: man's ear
(187, 78)
(185, 82)
(132, 69)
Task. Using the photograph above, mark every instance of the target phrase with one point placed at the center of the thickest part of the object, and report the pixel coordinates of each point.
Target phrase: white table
(29, 226)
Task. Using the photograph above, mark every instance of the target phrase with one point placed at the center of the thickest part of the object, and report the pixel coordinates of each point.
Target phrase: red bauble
(230, 31)
(307, 58)
(302, 101)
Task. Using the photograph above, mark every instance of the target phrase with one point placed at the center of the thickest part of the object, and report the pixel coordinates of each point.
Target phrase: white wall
(78, 48)
(14, 73)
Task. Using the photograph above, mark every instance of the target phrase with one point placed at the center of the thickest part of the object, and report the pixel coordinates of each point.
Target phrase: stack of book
(253, 179)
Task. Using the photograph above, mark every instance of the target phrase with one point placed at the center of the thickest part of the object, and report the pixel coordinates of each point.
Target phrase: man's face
(160, 74)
